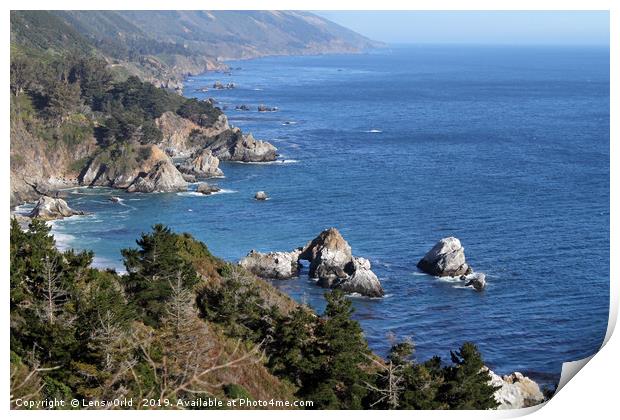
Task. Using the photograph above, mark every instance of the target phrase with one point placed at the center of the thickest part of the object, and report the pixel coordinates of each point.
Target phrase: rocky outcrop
(333, 265)
(182, 137)
(327, 253)
(38, 165)
(475, 280)
(446, 258)
(220, 85)
(234, 145)
(362, 280)
(136, 168)
(163, 177)
(207, 189)
(265, 108)
(49, 208)
(516, 390)
(272, 265)
(261, 196)
(242, 107)
(202, 164)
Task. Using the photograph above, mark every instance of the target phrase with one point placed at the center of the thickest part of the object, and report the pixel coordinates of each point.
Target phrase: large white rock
(363, 280)
(516, 390)
(202, 164)
(332, 263)
(49, 208)
(446, 258)
(329, 250)
(163, 177)
(272, 265)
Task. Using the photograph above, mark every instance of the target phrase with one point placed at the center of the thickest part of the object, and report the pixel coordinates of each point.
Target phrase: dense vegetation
(183, 324)
(60, 95)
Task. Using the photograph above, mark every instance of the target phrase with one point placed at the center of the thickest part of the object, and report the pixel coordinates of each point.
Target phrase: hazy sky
(479, 27)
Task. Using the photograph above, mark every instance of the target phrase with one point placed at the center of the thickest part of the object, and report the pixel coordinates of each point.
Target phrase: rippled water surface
(505, 148)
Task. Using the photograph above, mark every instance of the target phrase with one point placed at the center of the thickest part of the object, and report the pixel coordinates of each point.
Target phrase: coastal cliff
(164, 47)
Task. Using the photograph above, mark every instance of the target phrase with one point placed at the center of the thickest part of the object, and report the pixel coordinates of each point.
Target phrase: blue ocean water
(506, 148)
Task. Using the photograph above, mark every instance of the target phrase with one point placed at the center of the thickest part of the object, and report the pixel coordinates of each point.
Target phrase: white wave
(198, 194)
(289, 123)
(224, 191)
(258, 89)
(191, 194)
(273, 162)
(374, 130)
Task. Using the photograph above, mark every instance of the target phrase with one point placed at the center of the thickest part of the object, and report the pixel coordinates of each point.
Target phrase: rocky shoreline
(190, 153)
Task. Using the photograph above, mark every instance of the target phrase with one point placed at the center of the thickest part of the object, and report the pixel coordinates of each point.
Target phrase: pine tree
(466, 382)
(151, 269)
(339, 379)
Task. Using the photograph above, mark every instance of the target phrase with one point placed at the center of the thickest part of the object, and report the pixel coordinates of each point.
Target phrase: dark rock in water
(233, 145)
(265, 108)
(476, 280)
(272, 265)
(207, 189)
(220, 85)
(261, 196)
(49, 208)
(242, 108)
(446, 258)
(114, 199)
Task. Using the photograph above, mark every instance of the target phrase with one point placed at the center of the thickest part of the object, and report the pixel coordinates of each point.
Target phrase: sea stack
(261, 196)
(334, 266)
(446, 258)
(49, 208)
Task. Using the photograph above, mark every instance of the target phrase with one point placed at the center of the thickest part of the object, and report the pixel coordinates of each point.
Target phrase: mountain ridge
(163, 47)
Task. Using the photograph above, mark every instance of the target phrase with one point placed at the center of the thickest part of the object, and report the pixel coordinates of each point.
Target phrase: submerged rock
(220, 85)
(203, 164)
(114, 199)
(261, 196)
(49, 208)
(446, 258)
(163, 177)
(476, 280)
(207, 189)
(516, 390)
(272, 265)
(265, 108)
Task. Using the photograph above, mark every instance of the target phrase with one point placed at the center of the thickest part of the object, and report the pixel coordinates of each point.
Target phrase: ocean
(506, 148)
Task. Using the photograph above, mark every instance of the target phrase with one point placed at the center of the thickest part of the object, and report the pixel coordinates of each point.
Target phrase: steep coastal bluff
(81, 113)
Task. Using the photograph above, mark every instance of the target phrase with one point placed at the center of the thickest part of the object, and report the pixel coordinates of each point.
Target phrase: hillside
(164, 46)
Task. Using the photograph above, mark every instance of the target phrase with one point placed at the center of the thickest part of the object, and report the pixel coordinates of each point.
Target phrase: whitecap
(224, 191)
(191, 194)
(374, 130)
(273, 162)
